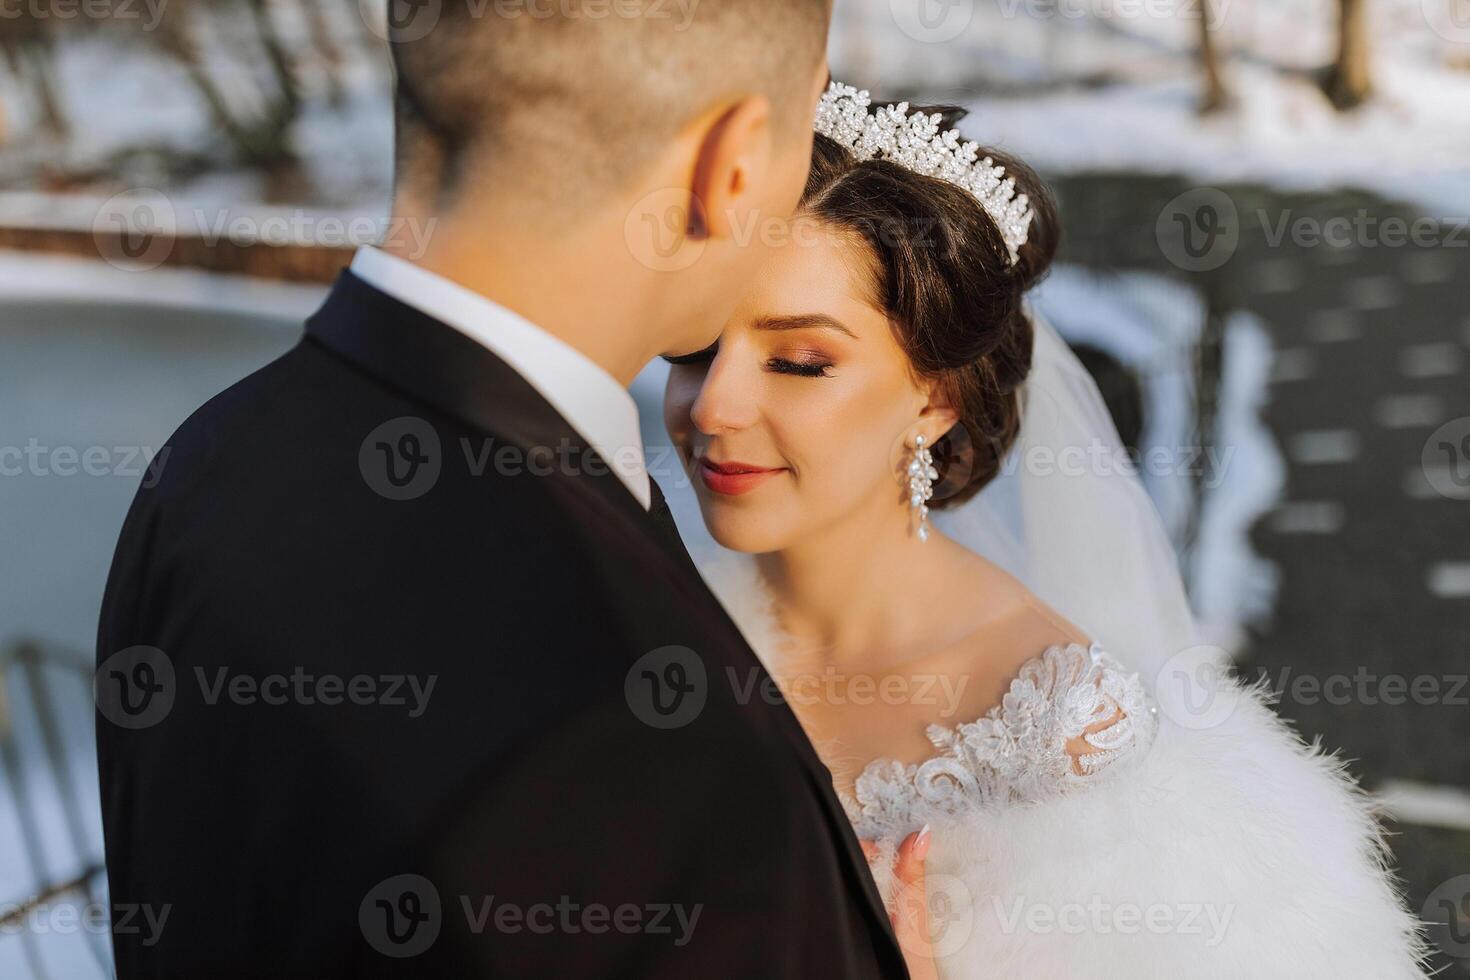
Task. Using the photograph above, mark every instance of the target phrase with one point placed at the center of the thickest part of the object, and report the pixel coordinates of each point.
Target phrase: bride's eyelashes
(802, 368)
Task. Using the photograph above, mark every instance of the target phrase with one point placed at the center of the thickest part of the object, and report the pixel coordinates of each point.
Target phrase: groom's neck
(580, 285)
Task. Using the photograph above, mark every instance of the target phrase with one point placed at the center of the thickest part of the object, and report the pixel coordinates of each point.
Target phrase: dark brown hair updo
(943, 276)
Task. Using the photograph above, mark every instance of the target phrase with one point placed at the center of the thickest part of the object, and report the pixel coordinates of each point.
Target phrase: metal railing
(49, 828)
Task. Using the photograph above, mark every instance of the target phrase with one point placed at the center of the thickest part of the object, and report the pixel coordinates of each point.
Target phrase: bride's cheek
(822, 470)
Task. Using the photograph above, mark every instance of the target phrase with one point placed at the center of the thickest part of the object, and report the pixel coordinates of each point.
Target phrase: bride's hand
(910, 914)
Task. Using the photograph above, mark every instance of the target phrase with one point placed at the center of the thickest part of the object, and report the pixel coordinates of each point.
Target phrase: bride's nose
(727, 399)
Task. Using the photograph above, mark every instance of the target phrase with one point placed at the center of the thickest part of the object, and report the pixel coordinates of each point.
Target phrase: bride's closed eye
(813, 366)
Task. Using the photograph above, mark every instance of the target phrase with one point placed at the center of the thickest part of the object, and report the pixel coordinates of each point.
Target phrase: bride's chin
(738, 531)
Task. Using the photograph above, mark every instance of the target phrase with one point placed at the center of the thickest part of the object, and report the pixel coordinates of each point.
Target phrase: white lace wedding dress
(1025, 749)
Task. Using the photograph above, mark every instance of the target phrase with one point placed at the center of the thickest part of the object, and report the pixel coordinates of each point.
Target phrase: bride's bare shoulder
(996, 625)
(1016, 618)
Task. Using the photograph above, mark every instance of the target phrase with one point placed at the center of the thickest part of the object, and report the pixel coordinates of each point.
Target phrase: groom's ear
(731, 167)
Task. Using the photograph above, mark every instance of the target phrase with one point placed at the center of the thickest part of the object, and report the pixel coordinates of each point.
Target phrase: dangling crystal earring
(922, 475)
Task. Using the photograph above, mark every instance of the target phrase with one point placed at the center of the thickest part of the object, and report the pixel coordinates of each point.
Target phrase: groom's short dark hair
(563, 97)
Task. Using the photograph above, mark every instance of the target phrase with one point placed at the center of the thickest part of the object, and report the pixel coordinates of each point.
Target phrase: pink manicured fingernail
(921, 843)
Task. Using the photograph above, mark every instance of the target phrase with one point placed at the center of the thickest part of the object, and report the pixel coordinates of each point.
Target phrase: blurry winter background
(1266, 264)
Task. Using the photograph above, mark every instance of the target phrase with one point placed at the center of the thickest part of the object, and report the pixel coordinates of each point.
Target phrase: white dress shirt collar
(599, 408)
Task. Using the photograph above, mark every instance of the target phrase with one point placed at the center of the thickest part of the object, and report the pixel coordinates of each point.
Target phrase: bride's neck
(853, 587)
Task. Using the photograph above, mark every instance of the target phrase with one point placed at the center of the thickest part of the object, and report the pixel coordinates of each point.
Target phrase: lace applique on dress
(1018, 752)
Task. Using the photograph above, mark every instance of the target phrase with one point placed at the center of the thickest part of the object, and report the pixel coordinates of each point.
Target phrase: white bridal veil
(1069, 517)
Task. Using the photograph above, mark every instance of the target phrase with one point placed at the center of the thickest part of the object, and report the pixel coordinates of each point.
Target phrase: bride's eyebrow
(802, 321)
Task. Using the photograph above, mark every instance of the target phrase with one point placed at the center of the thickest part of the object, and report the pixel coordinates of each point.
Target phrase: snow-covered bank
(33, 277)
(1114, 85)
(1412, 143)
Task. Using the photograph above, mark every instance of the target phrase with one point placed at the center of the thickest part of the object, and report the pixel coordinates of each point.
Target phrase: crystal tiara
(916, 142)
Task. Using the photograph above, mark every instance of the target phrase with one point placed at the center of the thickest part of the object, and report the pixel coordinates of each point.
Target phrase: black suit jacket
(594, 784)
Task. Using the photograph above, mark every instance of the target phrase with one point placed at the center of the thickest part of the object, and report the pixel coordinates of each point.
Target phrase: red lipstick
(733, 478)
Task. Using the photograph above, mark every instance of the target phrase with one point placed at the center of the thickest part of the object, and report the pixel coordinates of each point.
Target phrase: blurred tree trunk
(53, 118)
(1348, 83)
(29, 53)
(1215, 97)
(278, 58)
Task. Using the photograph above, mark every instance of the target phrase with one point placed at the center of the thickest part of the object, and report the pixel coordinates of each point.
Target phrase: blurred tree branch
(261, 139)
(253, 65)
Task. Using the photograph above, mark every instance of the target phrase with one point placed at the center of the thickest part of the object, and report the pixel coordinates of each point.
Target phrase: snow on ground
(1283, 134)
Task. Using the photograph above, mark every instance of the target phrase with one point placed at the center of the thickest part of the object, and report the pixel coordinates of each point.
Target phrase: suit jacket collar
(594, 402)
(439, 365)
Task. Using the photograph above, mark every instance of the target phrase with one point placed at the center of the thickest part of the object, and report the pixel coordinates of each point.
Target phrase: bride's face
(797, 418)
